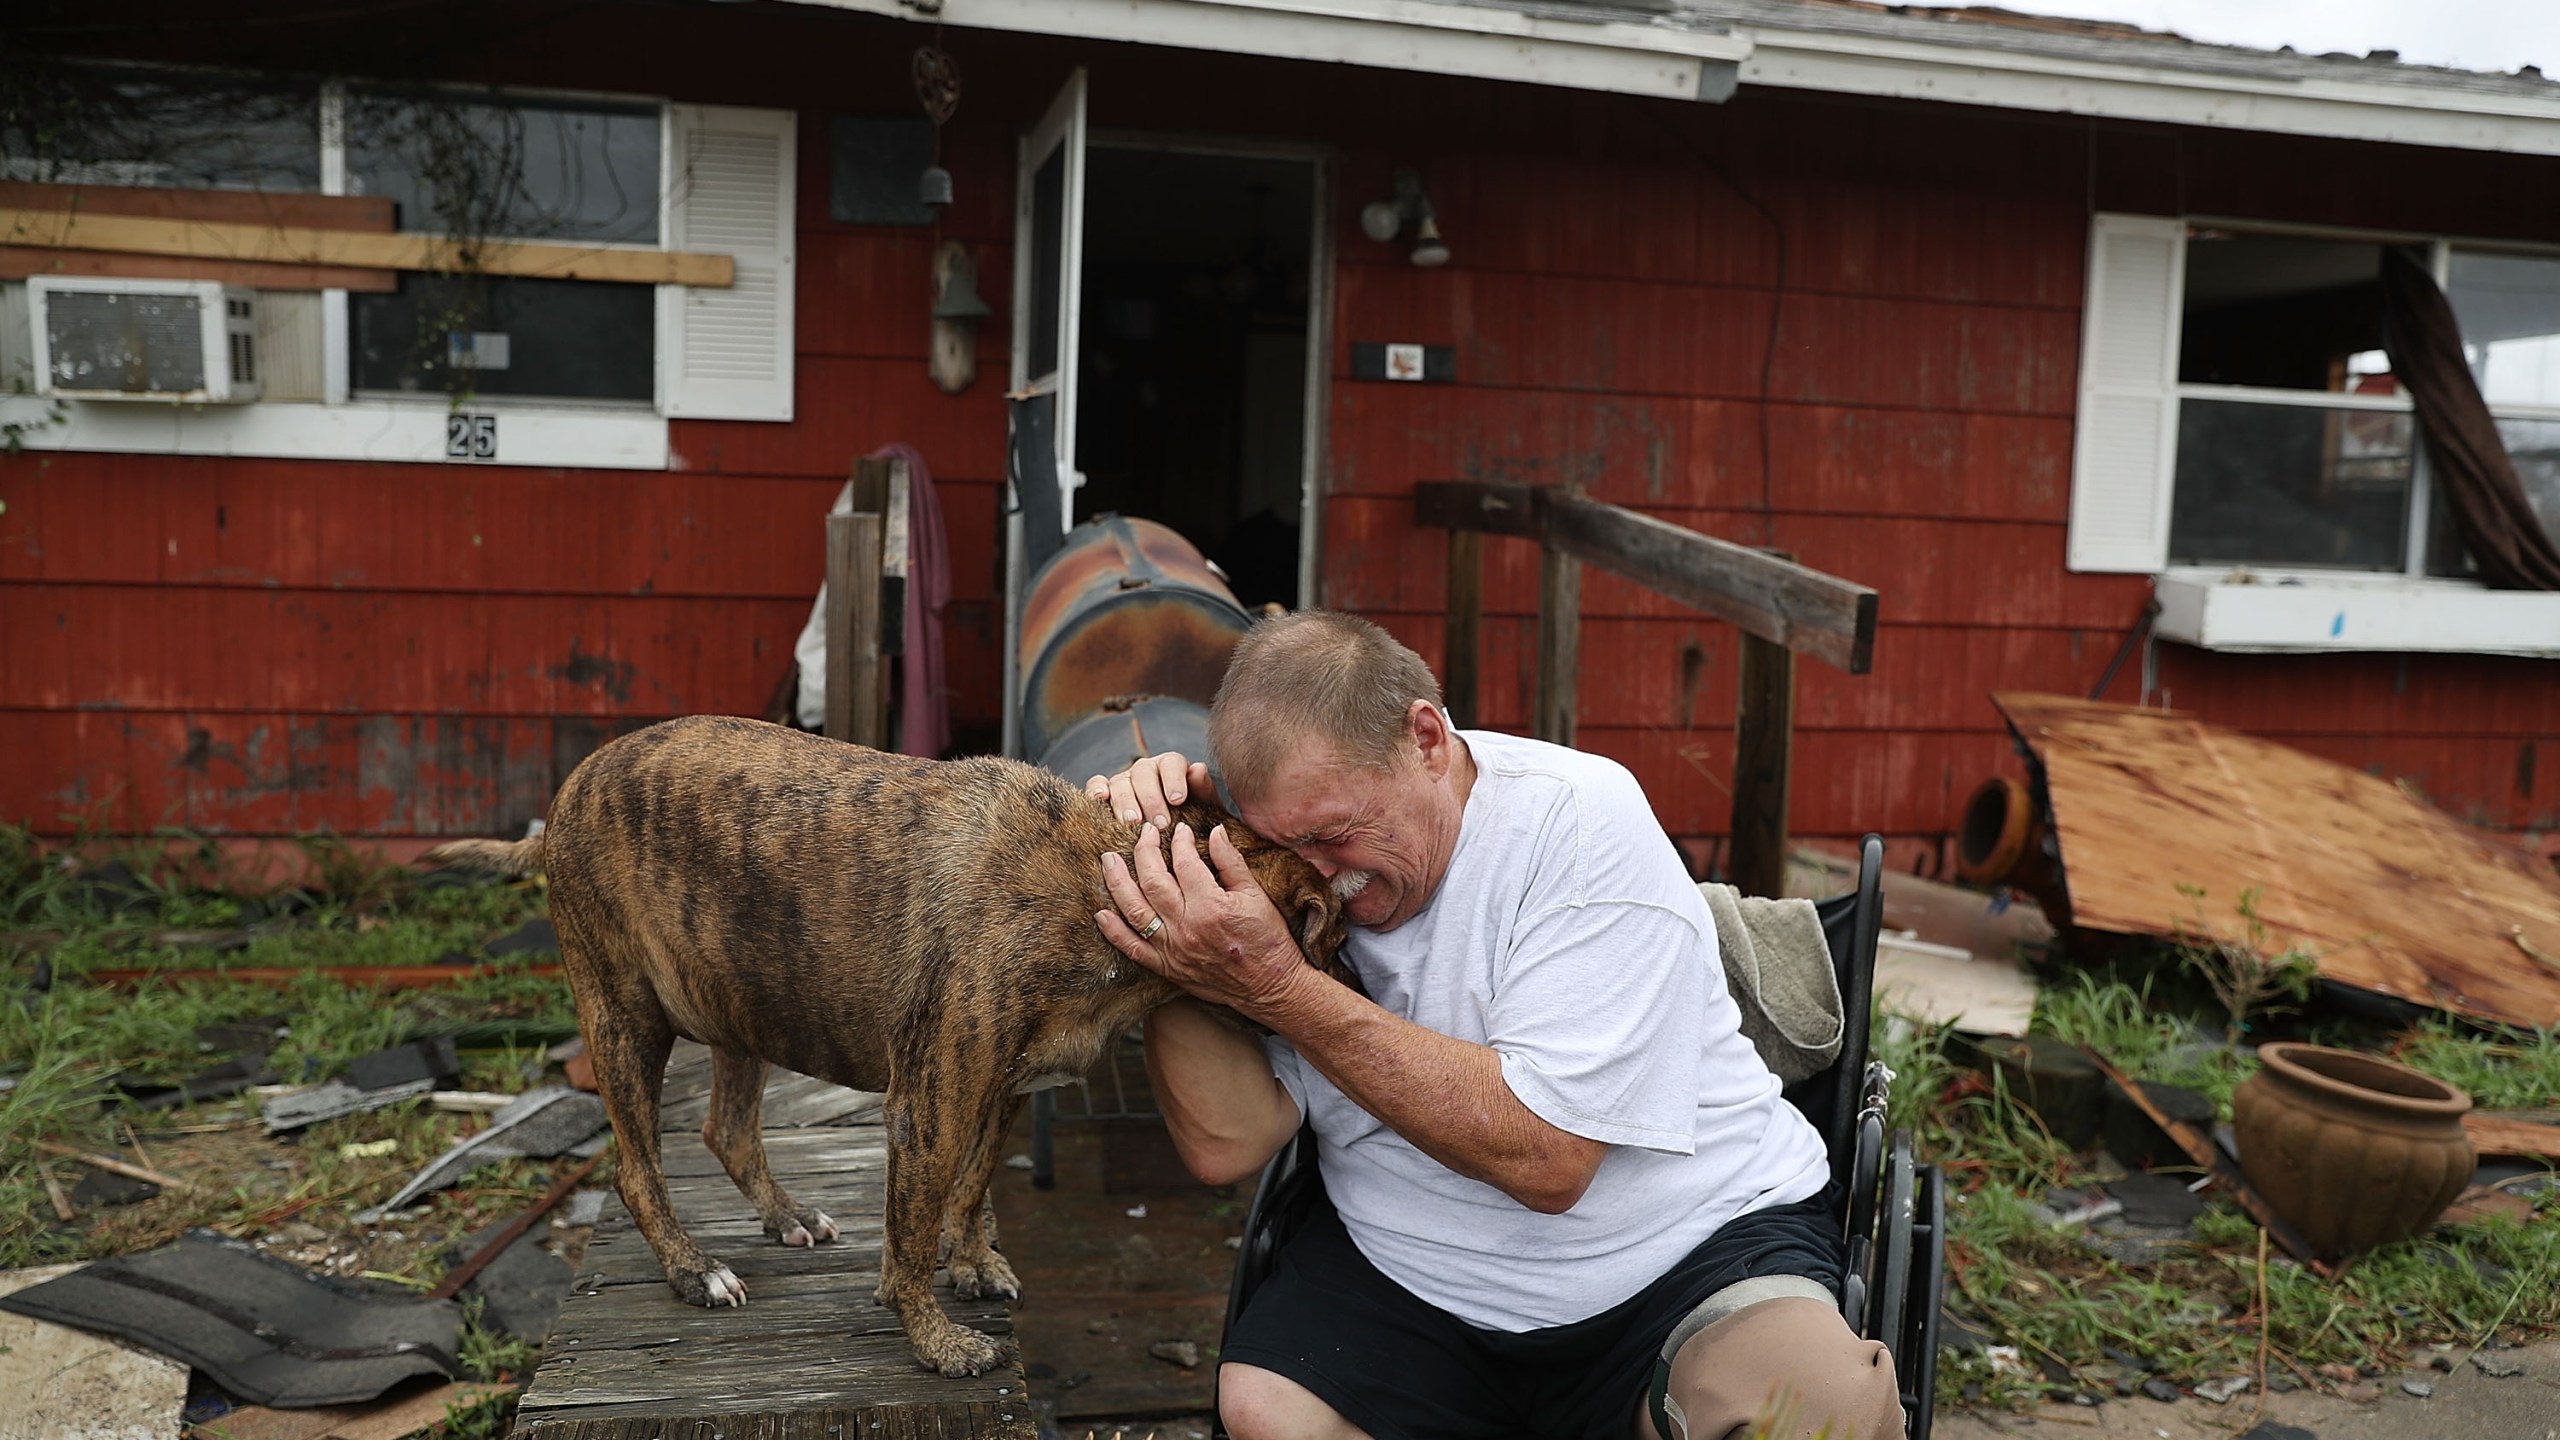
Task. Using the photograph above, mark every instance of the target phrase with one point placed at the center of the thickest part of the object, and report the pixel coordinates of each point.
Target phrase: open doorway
(1193, 362)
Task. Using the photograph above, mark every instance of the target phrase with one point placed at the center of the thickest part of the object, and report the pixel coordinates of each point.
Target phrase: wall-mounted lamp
(1384, 220)
(957, 309)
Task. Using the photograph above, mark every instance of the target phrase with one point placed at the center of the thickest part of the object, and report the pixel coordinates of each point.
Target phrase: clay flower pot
(2356, 1151)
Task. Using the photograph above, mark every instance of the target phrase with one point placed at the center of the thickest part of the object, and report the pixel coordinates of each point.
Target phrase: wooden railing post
(1559, 643)
(854, 701)
(1462, 646)
(865, 586)
(1763, 734)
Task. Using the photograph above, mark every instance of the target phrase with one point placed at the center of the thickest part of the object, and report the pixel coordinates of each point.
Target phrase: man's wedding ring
(1152, 927)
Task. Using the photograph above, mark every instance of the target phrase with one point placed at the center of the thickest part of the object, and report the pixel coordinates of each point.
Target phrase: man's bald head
(1315, 674)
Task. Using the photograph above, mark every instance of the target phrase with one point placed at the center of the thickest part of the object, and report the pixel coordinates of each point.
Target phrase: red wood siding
(258, 647)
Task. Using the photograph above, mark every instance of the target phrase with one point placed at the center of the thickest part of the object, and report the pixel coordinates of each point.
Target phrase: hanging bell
(959, 298)
(934, 186)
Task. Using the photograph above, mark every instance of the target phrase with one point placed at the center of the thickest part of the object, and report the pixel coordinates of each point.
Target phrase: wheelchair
(1893, 1209)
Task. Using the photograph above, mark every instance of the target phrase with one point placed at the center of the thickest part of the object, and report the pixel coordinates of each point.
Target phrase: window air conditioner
(172, 340)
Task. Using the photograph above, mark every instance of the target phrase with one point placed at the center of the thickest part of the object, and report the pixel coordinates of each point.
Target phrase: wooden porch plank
(810, 1350)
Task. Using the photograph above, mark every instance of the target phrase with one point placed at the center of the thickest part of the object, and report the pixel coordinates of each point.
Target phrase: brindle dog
(915, 927)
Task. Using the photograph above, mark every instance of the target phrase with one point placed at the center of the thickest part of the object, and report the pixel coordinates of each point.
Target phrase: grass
(66, 1044)
(2065, 1307)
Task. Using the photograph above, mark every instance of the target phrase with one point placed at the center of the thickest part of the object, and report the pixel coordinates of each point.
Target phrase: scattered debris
(1185, 1353)
(2221, 1391)
(53, 1191)
(2160, 1390)
(533, 937)
(105, 1187)
(469, 1102)
(58, 1381)
(302, 1106)
(403, 1064)
(264, 1329)
(2479, 1202)
(2056, 1080)
(228, 1078)
(2495, 1367)
(2417, 1389)
(119, 1167)
(2389, 894)
(254, 1036)
(367, 1149)
(2270, 1430)
(538, 1124)
(584, 1208)
(2510, 1135)
(1948, 985)
(392, 1419)
(2134, 1139)
(1137, 1212)
(1017, 1161)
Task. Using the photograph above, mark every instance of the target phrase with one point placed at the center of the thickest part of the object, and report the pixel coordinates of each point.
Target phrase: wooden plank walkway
(809, 1357)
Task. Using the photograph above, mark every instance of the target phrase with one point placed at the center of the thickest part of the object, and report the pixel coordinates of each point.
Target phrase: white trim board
(1430, 36)
(388, 431)
(2396, 111)
(1697, 56)
(2311, 613)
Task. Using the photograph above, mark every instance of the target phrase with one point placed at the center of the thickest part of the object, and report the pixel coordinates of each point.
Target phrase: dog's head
(1302, 895)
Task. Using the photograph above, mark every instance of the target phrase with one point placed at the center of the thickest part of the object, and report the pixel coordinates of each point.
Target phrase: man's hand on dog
(1219, 937)
(1151, 788)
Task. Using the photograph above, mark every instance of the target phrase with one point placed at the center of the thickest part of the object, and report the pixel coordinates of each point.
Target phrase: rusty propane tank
(1127, 609)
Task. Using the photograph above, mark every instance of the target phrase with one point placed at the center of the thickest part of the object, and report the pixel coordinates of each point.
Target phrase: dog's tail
(505, 857)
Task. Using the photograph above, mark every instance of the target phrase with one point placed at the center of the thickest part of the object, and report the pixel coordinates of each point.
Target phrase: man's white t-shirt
(1568, 937)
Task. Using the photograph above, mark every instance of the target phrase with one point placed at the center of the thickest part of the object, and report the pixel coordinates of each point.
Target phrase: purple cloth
(924, 711)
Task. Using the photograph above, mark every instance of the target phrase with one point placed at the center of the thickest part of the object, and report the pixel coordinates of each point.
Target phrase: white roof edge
(1432, 36)
(2392, 111)
(1676, 57)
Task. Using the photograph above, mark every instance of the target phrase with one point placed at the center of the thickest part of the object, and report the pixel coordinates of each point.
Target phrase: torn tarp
(537, 1124)
(264, 1329)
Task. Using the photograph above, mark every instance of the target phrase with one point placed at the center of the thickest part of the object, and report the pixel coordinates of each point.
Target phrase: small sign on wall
(1385, 360)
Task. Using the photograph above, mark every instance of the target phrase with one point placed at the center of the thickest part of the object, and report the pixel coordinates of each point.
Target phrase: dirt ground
(2466, 1405)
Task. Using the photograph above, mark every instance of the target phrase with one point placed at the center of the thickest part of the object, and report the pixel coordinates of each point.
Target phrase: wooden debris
(2208, 1156)
(53, 1191)
(101, 1162)
(389, 1420)
(2494, 1134)
(2387, 893)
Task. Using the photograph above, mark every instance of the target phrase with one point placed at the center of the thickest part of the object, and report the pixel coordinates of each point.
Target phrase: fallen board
(809, 1353)
(2388, 893)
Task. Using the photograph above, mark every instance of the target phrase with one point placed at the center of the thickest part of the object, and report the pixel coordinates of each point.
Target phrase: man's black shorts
(1401, 1369)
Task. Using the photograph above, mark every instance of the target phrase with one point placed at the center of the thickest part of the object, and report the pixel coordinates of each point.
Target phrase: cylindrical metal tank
(1126, 610)
(1110, 741)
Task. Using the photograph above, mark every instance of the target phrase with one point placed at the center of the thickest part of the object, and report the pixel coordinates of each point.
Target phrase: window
(575, 371)
(2239, 419)
(506, 169)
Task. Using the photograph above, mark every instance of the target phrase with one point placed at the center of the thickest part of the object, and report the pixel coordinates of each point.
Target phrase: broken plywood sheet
(57, 1383)
(2392, 895)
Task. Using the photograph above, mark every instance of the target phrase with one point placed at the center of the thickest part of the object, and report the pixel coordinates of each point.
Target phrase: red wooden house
(2021, 323)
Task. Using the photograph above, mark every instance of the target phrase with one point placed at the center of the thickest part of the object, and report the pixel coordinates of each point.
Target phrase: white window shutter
(2125, 444)
(725, 354)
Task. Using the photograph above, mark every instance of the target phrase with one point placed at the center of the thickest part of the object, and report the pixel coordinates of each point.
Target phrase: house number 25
(470, 437)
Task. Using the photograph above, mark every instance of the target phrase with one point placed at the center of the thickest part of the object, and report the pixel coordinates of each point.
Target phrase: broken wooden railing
(865, 612)
(1783, 609)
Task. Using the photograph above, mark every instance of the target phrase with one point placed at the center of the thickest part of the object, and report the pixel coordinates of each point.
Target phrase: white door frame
(1321, 162)
(1062, 129)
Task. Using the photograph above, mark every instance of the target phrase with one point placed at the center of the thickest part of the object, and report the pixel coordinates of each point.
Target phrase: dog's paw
(710, 1289)
(809, 1227)
(958, 1352)
(990, 1278)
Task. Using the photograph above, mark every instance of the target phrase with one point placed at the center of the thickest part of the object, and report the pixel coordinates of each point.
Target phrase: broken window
(2296, 446)
(2304, 453)
(487, 167)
